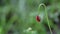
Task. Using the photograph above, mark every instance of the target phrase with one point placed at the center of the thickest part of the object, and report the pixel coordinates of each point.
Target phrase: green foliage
(19, 16)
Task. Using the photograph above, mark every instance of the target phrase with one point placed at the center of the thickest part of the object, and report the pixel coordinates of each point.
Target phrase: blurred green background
(19, 17)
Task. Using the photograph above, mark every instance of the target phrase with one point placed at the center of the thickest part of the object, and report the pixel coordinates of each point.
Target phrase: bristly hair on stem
(46, 15)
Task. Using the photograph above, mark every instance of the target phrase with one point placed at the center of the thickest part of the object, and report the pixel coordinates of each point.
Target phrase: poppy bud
(38, 18)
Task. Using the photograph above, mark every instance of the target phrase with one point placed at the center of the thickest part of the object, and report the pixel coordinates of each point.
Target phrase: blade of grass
(11, 21)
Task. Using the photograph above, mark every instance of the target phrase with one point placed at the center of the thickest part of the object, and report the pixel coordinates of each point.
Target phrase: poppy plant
(38, 18)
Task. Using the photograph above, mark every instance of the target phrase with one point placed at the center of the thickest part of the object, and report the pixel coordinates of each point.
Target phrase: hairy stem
(46, 16)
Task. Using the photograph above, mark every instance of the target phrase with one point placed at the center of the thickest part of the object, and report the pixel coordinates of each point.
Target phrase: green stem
(46, 16)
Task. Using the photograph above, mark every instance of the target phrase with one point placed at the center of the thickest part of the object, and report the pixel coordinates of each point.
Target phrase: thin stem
(46, 16)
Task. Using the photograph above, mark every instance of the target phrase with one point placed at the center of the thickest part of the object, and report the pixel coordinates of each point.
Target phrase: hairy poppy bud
(38, 18)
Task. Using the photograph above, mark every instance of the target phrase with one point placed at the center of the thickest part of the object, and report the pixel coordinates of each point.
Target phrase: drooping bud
(38, 18)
